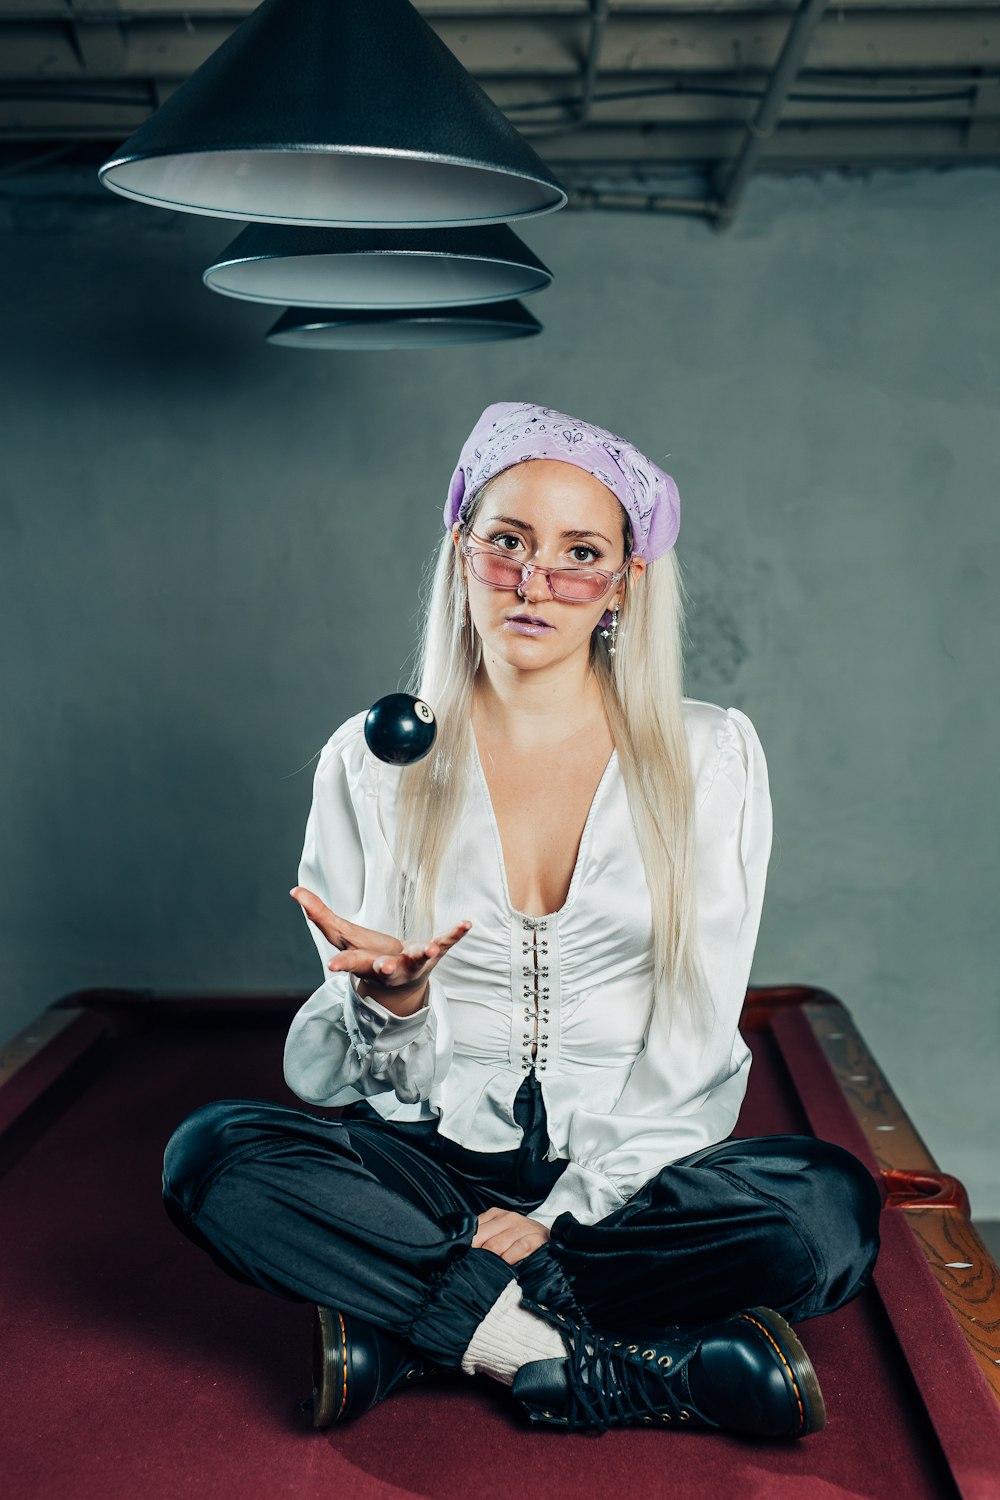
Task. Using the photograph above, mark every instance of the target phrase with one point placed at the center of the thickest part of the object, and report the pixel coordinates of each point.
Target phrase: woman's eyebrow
(512, 521)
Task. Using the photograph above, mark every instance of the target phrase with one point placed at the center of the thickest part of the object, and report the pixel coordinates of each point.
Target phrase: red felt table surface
(133, 1367)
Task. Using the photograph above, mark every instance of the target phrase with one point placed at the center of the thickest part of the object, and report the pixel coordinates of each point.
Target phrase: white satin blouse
(622, 1097)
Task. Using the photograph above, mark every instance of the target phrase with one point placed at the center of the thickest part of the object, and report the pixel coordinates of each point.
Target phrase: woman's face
(552, 513)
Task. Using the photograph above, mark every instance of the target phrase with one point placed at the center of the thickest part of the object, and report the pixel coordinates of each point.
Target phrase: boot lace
(613, 1383)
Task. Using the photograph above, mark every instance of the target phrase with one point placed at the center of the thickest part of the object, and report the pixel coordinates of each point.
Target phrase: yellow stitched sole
(797, 1364)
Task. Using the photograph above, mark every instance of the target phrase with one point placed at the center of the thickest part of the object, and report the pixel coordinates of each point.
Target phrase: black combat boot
(746, 1373)
(356, 1365)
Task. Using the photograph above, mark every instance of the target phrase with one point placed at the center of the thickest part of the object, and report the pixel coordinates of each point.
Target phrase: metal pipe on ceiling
(731, 183)
(598, 21)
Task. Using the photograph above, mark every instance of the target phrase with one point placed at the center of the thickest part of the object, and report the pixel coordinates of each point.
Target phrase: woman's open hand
(391, 972)
(509, 1235)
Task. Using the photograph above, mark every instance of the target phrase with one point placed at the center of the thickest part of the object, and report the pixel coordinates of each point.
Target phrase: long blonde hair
(641, 686)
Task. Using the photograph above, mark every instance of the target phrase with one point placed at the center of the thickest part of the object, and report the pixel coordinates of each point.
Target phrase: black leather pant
(376, 1219)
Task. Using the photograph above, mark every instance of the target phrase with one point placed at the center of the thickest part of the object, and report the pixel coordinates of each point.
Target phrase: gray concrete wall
(210, 553)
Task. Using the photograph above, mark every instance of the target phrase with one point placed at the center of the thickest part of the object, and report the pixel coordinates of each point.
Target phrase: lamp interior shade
(385, 280)
(354, 189)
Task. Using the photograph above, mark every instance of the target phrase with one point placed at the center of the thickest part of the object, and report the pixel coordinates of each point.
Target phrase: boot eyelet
(685, 1416)
(667, 1417)
(664, 1360)
(633, 1348)
(648, 1353)
(544, 1306)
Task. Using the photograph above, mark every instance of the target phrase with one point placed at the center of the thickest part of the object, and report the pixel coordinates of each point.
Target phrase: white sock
(511, 1335)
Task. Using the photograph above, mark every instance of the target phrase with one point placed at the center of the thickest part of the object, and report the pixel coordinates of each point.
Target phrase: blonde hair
(641, 686)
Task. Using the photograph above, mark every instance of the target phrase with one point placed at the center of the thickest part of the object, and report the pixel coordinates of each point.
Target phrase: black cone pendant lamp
(377, 268)
(409, 328)
(334, 112)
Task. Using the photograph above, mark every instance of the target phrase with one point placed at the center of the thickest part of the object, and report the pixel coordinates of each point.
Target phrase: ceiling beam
(796, 146)
(843, 41)
(726, 100)
(508, 10)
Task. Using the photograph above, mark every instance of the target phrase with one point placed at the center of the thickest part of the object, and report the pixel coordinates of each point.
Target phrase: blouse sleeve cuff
(589, 1196)
(372, 1026)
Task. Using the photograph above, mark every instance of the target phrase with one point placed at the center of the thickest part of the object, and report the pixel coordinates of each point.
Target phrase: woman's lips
(524, 626)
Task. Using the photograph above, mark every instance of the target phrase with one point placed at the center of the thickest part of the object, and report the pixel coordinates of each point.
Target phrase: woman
(534, 1176)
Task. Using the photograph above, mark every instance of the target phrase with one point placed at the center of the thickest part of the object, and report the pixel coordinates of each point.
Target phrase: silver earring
(610, 635)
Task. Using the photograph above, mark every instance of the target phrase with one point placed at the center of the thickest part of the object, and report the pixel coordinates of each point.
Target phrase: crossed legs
(354, 1215)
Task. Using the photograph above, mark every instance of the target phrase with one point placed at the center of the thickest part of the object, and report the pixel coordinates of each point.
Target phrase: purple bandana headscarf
(510, 431)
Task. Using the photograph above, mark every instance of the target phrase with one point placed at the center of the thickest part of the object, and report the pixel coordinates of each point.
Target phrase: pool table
(133, 1367)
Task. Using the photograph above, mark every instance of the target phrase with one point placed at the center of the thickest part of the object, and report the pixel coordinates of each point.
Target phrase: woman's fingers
(344, 934)
(337, 929)
(507, 1234)
(362, 963)
(365, 952)
(319, 913)
(451, 938)
(419, 951)
(425, 953)
(488, 1216)
(513, 1245)
(411, 956)
(521, 1248)
(381, 965)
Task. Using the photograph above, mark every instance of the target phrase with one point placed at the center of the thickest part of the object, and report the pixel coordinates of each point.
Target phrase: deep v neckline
(580, 853)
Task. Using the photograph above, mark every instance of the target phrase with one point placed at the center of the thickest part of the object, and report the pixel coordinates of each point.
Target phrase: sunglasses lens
(501, 573)
(498, 572)
(579, 586)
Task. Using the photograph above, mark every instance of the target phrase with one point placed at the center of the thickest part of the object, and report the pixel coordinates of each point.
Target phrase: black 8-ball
(400, 729)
